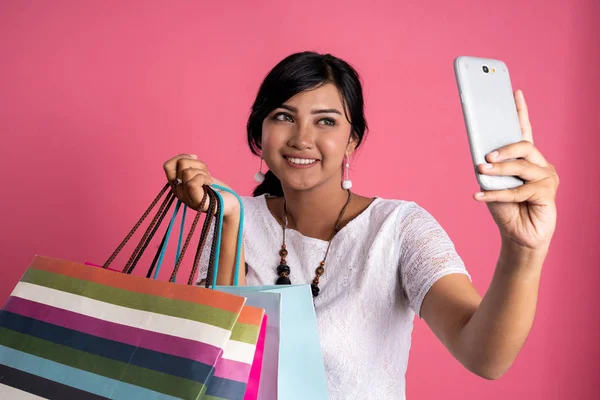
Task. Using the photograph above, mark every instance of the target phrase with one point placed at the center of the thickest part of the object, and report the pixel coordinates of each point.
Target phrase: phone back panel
(489, 111)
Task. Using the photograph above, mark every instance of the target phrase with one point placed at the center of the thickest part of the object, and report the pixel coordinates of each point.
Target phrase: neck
(315, 212)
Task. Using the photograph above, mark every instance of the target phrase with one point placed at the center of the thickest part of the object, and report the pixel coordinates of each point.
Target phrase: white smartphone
(490, 113)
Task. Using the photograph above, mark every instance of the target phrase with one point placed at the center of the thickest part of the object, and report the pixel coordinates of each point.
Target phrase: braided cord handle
(148, 234)
(215, 208)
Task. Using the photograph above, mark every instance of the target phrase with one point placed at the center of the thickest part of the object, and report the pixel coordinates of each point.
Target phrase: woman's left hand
(526, 215)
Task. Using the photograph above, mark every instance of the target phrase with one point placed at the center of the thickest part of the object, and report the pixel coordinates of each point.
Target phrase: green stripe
(139, 301)
(213, 398)
(245, 333)
(157, 381)
(202, 394)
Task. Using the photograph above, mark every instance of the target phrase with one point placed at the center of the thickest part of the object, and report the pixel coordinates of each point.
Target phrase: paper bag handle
(215, 207)
(219, 228)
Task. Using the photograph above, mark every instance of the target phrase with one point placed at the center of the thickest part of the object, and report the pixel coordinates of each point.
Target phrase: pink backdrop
(95, 95)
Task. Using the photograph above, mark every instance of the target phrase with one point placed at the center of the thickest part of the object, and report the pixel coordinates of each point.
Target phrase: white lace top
(379, 268)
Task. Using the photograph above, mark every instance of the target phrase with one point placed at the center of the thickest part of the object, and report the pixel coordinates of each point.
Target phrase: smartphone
(490, 113)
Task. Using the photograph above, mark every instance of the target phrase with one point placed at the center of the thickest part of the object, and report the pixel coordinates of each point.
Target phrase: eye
(283, 116)
(327, 121)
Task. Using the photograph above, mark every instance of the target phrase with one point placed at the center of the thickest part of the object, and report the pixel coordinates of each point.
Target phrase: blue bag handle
(168, 235)
(218, 227)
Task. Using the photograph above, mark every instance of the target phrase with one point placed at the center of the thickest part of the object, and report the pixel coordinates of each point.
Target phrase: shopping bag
(293, 365)
(89, 331)
(74, 331)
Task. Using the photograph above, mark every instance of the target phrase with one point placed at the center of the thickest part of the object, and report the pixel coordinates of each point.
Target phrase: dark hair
(295, 74)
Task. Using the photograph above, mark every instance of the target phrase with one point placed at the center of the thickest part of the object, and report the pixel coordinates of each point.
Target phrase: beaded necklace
(283, 270)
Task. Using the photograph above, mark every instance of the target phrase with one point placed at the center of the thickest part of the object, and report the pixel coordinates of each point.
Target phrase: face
(305, 140)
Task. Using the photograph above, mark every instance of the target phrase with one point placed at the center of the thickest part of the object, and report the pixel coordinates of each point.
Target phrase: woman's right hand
(191, 175)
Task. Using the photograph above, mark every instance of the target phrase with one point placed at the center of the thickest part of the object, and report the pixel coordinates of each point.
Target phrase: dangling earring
(346, 183)
(259, 176)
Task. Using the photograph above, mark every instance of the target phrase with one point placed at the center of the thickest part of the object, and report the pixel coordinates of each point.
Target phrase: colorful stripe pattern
(233, 368)
(69, 331)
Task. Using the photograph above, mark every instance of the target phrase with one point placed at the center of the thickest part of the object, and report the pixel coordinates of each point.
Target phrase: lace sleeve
(426, 255)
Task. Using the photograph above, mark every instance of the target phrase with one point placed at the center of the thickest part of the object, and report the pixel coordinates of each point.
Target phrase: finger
(179, 186)
(170, 166)
(190, 173)
(521, 168)
(194, 191)
(522, 149)
(530, 192)
(184, 164)
(523, 114)
(189, 177)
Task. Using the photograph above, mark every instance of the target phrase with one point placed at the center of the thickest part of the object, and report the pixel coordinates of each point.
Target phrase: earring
(346, 183)
(259, 176)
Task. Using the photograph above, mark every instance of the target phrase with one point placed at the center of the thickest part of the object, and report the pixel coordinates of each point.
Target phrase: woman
(388, 259)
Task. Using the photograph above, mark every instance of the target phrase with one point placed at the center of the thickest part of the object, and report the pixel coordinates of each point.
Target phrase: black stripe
(41, 386)
(226, 388)
(161, 362)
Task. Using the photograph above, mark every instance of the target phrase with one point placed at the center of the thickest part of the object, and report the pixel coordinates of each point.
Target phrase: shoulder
(253, 202)
(416, 229)
(402, 218)
(397, 208)
(382, 217)
(255, 210)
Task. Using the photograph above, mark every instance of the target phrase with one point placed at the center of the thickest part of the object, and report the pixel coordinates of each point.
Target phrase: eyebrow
(323, 111)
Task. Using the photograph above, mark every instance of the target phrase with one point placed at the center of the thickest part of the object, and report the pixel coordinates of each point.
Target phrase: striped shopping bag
(72, 331)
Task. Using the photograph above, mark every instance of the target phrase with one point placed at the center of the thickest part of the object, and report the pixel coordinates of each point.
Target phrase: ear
(352, 142)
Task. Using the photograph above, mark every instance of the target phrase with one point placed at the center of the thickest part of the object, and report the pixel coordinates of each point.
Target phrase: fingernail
(487, 166)
(479, 195)
(193, 156)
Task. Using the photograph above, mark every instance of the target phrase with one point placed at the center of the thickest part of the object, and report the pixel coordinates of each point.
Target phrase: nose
(302, 137)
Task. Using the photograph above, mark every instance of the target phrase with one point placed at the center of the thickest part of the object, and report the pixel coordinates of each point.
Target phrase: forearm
(229, 238)
(494, 335)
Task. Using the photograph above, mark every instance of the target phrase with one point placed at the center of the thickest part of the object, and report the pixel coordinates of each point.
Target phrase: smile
(301, 162)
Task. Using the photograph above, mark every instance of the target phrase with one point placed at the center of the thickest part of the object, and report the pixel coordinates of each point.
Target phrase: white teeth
(302, 161)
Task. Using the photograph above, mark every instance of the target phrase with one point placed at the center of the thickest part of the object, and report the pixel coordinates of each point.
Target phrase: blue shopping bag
(300, 367)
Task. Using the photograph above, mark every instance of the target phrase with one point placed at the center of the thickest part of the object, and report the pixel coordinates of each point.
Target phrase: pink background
(95, 95)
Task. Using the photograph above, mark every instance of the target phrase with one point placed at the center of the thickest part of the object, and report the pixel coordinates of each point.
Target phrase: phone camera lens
(486, 69)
